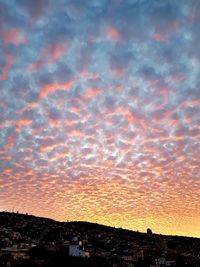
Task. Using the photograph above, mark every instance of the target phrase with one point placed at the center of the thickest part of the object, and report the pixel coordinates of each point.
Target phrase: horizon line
(105, 225)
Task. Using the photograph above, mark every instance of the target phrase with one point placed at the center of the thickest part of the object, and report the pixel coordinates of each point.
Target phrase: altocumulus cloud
(100, 112)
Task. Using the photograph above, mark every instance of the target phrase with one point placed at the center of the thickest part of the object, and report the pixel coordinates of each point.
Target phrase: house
(76, 248)
(162, 262)
(15, 252)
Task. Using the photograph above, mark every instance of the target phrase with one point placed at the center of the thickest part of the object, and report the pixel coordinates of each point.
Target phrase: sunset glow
(100, 112)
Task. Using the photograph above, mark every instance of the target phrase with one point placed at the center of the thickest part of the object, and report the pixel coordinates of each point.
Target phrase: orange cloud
(48, 88)
(165, 138)
(7, 170)
(47, 148)
(10, 142)
(55, 123)
(77, 133)
(75, 110)
(22, 123)
(126, 113)
(92, 92)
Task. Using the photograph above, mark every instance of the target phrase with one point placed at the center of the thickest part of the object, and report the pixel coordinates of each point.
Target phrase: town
(26, 240)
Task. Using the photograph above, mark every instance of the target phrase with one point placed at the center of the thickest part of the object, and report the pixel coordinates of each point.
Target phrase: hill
(112, 246)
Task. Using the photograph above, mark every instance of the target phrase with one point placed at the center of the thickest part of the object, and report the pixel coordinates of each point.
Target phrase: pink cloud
(117, 88)
(164, 34)
(112, 34)
(49, 55)
(55, 123)
(34, 10)
(54, 52)
(126, 113)
(6, 67)
(10, 142)
(89, 76)
(178, 77)
(159, 37)
(22, 123)
(191, 103)
(118, 72)
(13, 36)
(75, 110)
(48, 88)
(92, 92)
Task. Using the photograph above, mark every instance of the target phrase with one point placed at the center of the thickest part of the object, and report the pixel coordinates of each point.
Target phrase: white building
(75, 251)
(162, 262)
(76, 248)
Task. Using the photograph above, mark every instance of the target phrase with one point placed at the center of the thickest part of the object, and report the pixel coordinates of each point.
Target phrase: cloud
(34, 10)
(6, 67)
(99, 104)
(112, 34)
(49, 55)
(13, 36)
(48, 88)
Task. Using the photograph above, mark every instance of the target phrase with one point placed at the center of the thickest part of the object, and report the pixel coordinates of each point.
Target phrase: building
(162, 262)
(138, 254)
(76, 248)
(16, 253)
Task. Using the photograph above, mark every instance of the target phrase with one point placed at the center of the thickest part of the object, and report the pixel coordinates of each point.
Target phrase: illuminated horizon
(100, 112)
(114, 226)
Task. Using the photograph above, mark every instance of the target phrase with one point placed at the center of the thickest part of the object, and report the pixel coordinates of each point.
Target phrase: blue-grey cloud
(100, 104)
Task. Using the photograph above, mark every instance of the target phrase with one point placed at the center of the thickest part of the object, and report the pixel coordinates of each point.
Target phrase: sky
(100, 112)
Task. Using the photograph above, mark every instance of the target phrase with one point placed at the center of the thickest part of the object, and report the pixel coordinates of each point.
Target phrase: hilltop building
(76, 248)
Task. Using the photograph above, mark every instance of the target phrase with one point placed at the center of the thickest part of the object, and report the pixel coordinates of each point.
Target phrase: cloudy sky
(100, 112)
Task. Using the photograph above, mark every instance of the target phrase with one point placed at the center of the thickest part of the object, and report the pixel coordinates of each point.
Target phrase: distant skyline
(100, 112)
